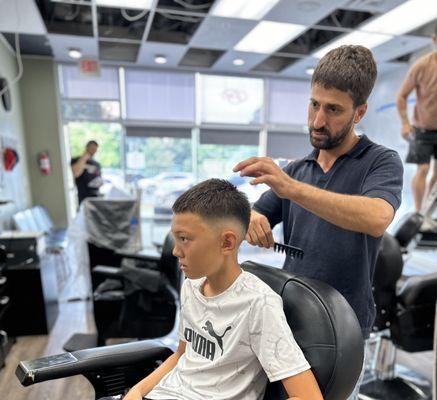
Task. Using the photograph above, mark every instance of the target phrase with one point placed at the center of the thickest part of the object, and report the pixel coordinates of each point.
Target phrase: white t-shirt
(233, 340)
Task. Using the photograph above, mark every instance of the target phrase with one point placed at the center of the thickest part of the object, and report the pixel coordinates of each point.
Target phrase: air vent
(115, 51)
(274, 64)
(203, 58)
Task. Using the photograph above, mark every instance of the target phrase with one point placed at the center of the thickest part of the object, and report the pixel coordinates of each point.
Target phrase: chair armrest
(109, 272)
(89, 360)
(152, 257)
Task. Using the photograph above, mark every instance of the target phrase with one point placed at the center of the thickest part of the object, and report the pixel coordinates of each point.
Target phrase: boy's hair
(350, 69)
(92, 142)
(215, 199)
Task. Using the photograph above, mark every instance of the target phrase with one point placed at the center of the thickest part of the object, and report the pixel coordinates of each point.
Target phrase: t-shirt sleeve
(272, 341)
(74, 160)
(385, 179)
(183, 299)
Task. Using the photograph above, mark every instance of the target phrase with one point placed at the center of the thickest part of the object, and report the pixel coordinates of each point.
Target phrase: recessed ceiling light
(74, 53)
(134, 4)
(160, 59)
(268, 36)
(310, 71)
(246, 9)
(238, 62)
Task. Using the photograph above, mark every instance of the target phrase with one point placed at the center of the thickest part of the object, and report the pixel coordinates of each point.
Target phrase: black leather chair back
(408, 227)
(325, 327)
(388, 270)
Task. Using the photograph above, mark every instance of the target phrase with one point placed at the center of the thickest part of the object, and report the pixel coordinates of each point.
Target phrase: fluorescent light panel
(246, 9)
(267, 37)
(402, 19)
(133, 4)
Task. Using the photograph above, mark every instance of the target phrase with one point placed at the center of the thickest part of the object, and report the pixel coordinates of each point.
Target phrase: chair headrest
(323, 324)
(408, 227)
(389, 263)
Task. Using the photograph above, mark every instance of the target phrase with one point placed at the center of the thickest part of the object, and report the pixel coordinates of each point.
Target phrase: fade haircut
(350, 69)
(214, 200)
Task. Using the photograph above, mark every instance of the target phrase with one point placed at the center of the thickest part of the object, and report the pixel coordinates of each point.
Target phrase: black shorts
(423, 146)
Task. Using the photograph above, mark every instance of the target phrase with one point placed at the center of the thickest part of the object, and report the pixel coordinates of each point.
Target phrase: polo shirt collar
(355, 152)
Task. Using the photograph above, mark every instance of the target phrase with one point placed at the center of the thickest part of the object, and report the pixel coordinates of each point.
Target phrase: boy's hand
(259, 232)
(133, 394)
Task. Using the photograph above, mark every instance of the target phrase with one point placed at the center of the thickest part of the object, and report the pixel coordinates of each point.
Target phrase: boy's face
(198, 246)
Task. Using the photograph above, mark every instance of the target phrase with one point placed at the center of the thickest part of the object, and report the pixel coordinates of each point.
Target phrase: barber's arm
(356, 213)
(79, 166)
(302, 386)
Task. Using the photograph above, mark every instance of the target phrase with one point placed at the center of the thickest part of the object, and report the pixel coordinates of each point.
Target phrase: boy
(233, 329)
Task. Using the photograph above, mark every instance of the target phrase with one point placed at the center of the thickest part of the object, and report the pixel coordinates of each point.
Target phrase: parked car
(165, 180)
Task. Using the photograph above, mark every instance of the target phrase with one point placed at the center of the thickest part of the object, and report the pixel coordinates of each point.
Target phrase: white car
(165, 180)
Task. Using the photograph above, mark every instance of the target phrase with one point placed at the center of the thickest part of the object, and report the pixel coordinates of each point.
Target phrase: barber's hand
(264, 170)
(406, 130)
(133, 394)
(259, 232)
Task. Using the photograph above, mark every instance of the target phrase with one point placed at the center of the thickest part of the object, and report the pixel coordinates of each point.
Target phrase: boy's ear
(229, 242)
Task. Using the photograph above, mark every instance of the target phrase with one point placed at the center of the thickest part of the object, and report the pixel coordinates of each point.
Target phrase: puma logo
(210, 329)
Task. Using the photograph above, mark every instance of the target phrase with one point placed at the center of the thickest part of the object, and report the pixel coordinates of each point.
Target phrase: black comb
(293, 252)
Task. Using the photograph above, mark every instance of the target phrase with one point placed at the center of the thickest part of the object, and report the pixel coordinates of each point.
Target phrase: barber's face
(91, 149)
(331, 117)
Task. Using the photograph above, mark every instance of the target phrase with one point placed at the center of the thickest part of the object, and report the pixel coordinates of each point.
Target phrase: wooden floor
(73, 317)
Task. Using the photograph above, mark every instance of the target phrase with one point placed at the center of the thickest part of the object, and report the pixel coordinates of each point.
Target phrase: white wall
(14, 185)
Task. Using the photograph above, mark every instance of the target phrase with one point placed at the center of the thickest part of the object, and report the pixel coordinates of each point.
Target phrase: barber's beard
(330, 141)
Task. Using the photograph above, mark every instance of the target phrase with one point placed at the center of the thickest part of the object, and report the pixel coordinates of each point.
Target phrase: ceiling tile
(298, 69)
(221, 33)
(61, 43)
(21, 16)
(399, 46)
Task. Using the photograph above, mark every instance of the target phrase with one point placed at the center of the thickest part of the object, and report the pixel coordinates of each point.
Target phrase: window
(231, 100)
(159, 96)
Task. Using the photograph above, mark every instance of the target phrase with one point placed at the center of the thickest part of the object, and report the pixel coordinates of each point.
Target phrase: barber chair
(404, 320)
(137, 300)
(408, 231)
(323, 324)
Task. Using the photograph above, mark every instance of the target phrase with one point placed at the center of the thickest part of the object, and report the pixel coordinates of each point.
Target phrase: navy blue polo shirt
(342, 258)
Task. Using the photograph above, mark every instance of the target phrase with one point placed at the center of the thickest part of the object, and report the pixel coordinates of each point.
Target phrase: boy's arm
(302, 386)
(148, 383)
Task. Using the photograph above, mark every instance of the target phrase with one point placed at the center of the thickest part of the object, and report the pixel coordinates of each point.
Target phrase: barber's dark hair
(350, 69)
(215, 199)
(92, 142)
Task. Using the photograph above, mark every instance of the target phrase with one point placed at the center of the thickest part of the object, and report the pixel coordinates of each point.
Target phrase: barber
(337, 202)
